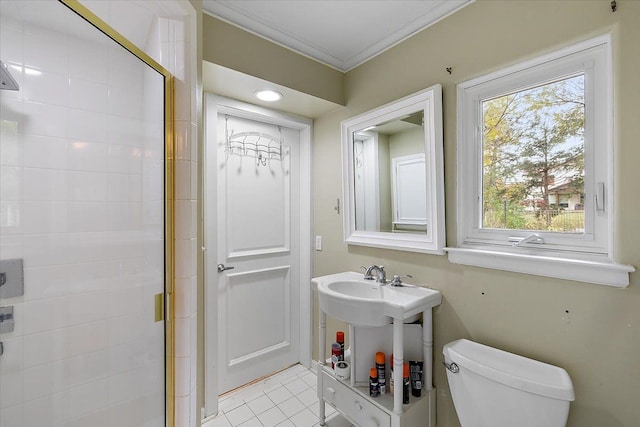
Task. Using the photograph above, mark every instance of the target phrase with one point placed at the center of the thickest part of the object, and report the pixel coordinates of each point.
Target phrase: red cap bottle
(340, 340)
(374, 390)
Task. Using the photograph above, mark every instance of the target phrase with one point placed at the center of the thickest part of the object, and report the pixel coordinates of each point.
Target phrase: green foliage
(568, 222)
(532, 140)
(494, 217)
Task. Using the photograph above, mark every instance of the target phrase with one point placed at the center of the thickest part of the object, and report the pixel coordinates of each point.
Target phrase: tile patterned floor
(286, 399)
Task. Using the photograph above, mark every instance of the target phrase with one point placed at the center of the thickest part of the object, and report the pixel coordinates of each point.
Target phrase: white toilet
(493, 388)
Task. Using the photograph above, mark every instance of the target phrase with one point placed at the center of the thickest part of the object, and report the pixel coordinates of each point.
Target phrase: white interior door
(258, 243)
(409, 186)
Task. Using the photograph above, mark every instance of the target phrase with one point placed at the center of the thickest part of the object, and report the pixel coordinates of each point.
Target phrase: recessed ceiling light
(268, 95)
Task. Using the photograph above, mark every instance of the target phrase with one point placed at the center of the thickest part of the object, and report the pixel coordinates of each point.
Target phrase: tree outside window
(533, 158)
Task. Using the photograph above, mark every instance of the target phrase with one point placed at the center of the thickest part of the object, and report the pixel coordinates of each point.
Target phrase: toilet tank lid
(511, 369)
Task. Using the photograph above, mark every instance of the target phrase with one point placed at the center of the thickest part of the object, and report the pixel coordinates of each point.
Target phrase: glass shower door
(82, 225)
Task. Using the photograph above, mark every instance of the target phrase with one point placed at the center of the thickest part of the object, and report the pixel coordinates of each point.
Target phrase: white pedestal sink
(349, 297)
(352, 299)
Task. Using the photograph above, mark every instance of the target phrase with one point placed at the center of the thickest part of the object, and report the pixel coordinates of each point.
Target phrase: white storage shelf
(363, 410)
(351, 397)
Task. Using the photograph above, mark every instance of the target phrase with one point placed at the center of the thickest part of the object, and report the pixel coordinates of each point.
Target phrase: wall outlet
(318, 243)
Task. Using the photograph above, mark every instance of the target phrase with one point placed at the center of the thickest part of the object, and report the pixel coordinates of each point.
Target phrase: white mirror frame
(433, 242)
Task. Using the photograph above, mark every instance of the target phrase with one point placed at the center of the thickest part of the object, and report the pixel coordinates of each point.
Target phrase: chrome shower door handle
(222, 267)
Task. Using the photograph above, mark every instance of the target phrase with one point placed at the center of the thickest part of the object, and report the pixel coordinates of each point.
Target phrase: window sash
(591, 58)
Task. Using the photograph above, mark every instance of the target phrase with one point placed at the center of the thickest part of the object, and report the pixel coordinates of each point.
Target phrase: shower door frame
(165, 310)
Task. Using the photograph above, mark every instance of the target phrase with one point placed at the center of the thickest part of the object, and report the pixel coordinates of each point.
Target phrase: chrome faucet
(381, 275)
(368, 275)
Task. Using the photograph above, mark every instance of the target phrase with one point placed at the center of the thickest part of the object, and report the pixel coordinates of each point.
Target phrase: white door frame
(214, 105)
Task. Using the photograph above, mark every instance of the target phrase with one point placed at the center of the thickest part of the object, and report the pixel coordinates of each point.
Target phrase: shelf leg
(398, 360)
(352, 345)
(427, 339)
(322, 338)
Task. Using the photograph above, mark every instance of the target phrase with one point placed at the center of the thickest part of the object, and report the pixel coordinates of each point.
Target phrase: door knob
(222, 267)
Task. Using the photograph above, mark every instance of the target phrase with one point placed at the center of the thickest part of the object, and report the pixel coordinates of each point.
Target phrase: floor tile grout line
(279, 381)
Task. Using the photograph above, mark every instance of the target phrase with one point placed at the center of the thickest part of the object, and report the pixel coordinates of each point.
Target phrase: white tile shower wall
(186, 211)
(66, 211)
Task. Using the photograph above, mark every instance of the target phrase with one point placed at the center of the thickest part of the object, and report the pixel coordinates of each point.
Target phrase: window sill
(590, 271)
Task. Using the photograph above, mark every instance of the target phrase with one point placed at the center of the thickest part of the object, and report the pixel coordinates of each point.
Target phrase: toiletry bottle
(335, 354)
(340, 340)
(415, 369)
(405, 383)
(374, 390)
(380, 366)
(391, 374)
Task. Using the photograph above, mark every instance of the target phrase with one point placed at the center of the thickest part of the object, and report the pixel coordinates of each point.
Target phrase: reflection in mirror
(389, 176)
(393, 175)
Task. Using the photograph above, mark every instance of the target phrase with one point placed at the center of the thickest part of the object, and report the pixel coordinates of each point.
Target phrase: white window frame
(584, 257)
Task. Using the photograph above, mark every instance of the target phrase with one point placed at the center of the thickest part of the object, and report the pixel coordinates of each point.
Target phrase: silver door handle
(221, 268)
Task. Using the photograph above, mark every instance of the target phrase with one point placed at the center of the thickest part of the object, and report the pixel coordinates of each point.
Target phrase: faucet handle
(367, 272)
(397, 279)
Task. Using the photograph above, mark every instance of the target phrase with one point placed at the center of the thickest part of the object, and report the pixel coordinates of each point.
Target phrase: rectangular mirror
(393, 175)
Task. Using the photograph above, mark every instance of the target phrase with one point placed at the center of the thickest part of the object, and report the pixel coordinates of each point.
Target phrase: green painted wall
(232, 47)
(592, 331)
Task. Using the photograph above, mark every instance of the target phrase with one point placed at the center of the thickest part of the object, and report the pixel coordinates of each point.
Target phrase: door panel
(257, 206)
(265, 295)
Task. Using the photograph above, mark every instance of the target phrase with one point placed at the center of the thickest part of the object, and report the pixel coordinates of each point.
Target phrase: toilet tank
(494, 388)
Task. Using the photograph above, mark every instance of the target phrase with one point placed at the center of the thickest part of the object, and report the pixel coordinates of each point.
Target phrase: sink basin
(356, 289)
(350, 298)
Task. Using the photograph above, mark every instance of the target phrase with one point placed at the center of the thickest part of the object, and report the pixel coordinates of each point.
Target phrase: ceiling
(339, 33)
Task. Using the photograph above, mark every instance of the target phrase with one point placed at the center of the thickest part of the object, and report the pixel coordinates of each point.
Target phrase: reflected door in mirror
(409, 189)
(377, 192)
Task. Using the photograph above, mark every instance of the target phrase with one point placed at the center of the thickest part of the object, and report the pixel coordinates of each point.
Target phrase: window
(535, 166)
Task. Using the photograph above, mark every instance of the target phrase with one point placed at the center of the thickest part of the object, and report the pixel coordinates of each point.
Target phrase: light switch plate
(11, 278)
